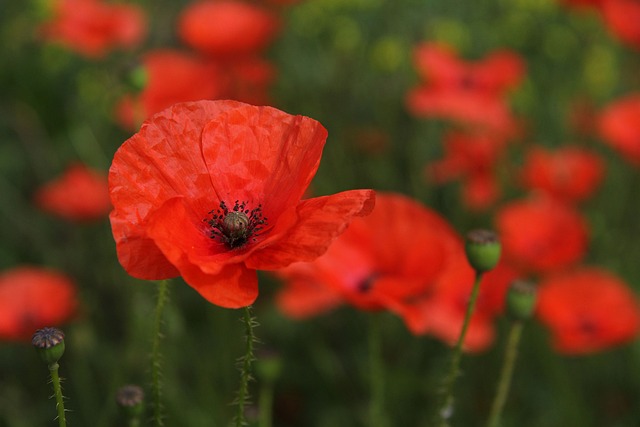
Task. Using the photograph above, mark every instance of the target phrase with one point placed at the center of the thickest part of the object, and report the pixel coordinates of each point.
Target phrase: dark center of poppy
(366, 284)
(236, 226)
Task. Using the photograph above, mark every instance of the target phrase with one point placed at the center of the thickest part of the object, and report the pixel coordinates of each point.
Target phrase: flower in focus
(172, 76)
(588, 310)
(211, 191)
(541, 235)
(570, 174)
(473, 158)
(92, 27)
(80, 194)
(426, 282)
(619, 126)
(227, 28)
(468, 93)
(32, 298)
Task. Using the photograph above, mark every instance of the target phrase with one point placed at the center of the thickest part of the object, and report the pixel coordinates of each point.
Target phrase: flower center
(236, 226)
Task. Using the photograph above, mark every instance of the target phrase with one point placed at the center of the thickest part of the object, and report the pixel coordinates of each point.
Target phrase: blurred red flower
(32, 298)
(92, 27)
(247, 79)
(569, 174)
(211, 191)
(622, 17)
(473, 158)
(371, 265)
(469, 93)
(426, 282)
(588, 310)
(171, 77)
(541, 235)
(441, 312)
(619, 126)
(224, 28)
(80, 194)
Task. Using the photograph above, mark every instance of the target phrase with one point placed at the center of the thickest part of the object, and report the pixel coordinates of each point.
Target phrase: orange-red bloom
(619, 126)
(469, 93)
(32, 298)
(211, 191)
(623, 20)
(92, 27)
(404, 258)
(588, 310)
(227, 28)
(172, 76)
(541, 234)
(570, 174)
(473, 158)
(80, 194)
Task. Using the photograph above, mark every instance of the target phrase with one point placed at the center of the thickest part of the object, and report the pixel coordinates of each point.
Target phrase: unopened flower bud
(131, 399)
(521, 300)
(483, 250)
(49, 343)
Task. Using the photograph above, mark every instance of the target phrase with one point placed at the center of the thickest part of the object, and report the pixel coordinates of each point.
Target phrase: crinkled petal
(162, 161)
(263, 157)
(320, 221)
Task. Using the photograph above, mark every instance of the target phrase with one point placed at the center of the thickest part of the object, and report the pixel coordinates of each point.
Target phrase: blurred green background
(346, 63)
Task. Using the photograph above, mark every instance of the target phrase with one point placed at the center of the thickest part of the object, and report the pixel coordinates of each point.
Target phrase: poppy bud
(483, 250)
(49, 343)
(131, 399)
(521, 300)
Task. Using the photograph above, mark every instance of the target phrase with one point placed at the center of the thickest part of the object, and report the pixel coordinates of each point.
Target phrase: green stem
(156, 357)
(376, 408)
(511, 352)
(266, 403)
(445, 410)
(245, 366)
(57, 391)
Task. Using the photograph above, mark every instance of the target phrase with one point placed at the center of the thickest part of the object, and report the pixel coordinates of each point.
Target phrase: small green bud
(521, 300)
(483, 250)
(130, 398)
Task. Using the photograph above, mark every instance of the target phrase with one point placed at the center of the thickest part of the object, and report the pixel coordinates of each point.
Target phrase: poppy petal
(320, 220)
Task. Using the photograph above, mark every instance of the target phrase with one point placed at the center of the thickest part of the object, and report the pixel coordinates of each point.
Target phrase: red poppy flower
(211, 190)
(80, 194)
(570, 174)
(32, 298)
(442, 311)
(541, 235)
(473, 158)
(371, 265)
(172, 77)
(227, 28)
(588, 310)
(620, 127)
(622, 17)
(470, 93)
(92, 27)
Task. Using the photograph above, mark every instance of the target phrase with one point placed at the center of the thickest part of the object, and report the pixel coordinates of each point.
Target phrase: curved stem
(156, 357)
(57, 391)
(510, 355)
(244, 365)
(376, 408)
(445, 410)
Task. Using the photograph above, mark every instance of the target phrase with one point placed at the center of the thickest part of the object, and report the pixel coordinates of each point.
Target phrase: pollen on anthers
(236, 226)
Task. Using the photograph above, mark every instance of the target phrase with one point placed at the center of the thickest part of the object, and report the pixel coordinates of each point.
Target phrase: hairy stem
(244, 366)
(57, 392)
(445, 410)
(156, 357)
(510, 355)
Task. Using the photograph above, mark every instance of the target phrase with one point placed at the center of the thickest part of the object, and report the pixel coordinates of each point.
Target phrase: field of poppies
(320, 213)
